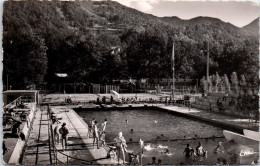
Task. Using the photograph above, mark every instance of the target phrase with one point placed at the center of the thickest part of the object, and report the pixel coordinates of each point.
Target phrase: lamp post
(207, 70)
(7, 82)
(207, 66)
(141, 144)
(173, 72)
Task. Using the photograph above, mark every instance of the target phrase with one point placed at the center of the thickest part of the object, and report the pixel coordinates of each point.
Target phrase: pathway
(241, 123)
(79, 145)
(80, 148)
(37, 150)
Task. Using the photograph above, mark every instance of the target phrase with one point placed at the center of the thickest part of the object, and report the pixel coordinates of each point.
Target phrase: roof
(61, 74)
(20, 91)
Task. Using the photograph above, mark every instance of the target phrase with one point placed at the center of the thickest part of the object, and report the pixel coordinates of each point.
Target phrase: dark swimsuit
(187, 152)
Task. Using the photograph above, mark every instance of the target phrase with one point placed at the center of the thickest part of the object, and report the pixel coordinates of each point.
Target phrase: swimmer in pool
(200, 150)
(217, 149)
(189, 155)
(187, 151)
(166, 152)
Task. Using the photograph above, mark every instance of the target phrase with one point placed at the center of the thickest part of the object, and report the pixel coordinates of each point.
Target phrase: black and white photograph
(130, 82)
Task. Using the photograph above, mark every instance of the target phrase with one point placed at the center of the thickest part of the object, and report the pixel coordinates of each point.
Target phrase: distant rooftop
(19, 91)
(61, 74)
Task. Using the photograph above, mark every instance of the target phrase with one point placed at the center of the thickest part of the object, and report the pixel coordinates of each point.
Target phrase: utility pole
(207, 66)
(173, 72)
(7, 82)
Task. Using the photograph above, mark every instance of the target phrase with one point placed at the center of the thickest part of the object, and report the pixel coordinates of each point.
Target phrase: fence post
(56, 154)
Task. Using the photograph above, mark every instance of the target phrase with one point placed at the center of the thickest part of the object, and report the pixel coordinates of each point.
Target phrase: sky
(239, 13)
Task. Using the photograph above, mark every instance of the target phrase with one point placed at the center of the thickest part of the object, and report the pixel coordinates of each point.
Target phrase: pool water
(176, 148)
(149, 124)
(160, 131)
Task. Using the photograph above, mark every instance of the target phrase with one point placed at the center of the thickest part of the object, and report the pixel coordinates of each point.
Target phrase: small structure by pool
(11, 95)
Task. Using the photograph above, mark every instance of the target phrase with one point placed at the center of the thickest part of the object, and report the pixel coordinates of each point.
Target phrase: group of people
(192, 155)
(12, 121)
(97, 134)
(121, 148)
(154, 161)
(69, 99)
(103, 100)
(61, 133)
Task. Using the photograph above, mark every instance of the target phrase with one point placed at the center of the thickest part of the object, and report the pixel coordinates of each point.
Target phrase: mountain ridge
(253, 26)
(77, 37)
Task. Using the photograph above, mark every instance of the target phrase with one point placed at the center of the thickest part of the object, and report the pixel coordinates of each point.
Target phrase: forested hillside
(253, 26)
(102, 41)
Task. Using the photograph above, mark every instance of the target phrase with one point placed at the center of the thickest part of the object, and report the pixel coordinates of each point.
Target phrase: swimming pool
(149, 124)
(160, 131)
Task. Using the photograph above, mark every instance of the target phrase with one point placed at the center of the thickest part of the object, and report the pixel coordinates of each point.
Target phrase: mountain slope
(79, 36)
(175, 21)
(253, 26)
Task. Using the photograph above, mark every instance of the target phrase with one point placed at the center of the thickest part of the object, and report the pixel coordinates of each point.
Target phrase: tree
(226, 83)
(234, 82)
(243, 81)
(25, 59)
(203, 82)
(222, 84)
(216, 81)
(210, 84)
(66, 29)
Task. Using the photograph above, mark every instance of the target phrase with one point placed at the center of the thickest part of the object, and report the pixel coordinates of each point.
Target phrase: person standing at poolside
(95, 134)
(103, 138)
(104, 125)
(111, 99)
(104, 99)
(56, 134)
(189, 104)
(64, 132)
(120, 146)
(90, 128)
(92, 123)
(4, 147)
(98, 100)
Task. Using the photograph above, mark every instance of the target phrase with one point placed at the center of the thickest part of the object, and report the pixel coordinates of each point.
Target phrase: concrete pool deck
(222, 120)
(234, 123)
(80, 146)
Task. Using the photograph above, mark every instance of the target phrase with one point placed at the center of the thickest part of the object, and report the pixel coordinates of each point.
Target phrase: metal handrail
(12, 103)
(27, 99)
